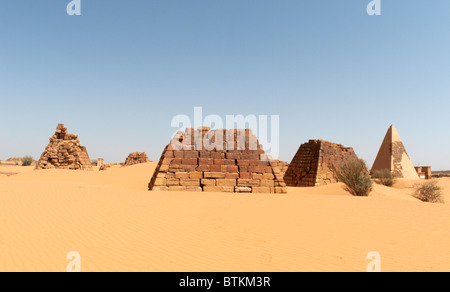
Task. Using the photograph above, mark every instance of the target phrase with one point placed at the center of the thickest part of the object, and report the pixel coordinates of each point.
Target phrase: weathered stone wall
(64, 151)
(398, 151)
(282, 165)
(217, 161)
(136, 158)
(313, 163)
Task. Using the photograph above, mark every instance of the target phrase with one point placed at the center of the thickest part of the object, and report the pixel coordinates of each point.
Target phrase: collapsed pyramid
(392, 156)
(64, 151)
(313, 164)
(136, 158)
(217, 161)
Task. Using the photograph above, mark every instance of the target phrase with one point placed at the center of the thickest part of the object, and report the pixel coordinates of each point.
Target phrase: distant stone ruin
(313, 164)
(217, 161)
(424, 172)
(64, 152)
(100, 162)
(136, 158)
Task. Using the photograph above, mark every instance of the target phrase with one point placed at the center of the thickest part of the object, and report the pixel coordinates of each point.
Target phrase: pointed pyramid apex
(395, 136)
(392, 129)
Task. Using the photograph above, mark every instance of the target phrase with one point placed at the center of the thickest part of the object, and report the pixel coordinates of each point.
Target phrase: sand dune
(116, 225)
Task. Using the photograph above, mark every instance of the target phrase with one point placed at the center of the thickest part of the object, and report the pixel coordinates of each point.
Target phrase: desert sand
(115, 224)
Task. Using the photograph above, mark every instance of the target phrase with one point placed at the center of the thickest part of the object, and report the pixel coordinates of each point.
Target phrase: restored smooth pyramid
(393, 157)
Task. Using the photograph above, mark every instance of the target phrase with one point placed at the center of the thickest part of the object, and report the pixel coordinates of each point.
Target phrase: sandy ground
(116, 225)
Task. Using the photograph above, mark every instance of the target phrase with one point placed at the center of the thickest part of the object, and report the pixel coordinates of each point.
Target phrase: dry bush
(27, 161)
(355, 175)
(385, 177)
(429, 191)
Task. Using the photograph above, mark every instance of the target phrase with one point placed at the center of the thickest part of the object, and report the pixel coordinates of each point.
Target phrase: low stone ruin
(136, 158)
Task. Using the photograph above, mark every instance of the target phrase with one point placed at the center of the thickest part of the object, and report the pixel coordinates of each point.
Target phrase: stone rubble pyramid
(64, 152)
(313, 163)
(392, 156)
(136, 158)
(217, 161)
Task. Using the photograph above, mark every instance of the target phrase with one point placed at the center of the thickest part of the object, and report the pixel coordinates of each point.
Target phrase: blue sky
(117, 74)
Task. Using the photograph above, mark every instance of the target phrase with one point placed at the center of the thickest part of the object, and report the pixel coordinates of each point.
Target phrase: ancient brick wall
(282, 165)
(313, 163)
(217, 161)
(64, 151)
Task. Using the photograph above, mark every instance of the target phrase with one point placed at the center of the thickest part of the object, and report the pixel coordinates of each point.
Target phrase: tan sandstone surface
(116, 224)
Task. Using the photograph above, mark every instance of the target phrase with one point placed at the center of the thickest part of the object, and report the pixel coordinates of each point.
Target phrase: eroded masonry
(136, 158)
(64, 151)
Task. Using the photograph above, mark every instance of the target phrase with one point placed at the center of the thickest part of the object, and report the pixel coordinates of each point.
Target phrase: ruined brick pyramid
(136, 158)
(217, 161)
(393, 156)
(313, 163)
(64, 151)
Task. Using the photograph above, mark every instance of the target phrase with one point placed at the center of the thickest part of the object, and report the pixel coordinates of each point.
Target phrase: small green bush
(385, 177)
(429, 191)
(27, 161)
(355, 175)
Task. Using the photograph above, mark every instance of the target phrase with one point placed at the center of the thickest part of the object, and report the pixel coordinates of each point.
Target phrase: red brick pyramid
(313, 163)
(217, 161)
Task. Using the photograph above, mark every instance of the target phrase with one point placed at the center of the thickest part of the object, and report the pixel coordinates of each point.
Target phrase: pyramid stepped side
(314, 161)
(196, 167)
(64, 151)
(136, 158)
(302, 170)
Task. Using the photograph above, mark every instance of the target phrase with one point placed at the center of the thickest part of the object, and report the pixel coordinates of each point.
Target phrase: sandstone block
(214, 175)
(208, 182)
(226, 182)
(196, 175)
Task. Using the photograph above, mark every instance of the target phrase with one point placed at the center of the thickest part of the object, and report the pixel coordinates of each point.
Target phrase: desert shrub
(385, 177)
(355, 175)
(429, 191)
(27, 161)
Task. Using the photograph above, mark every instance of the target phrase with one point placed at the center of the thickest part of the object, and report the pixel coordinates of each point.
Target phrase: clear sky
(117, 74)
